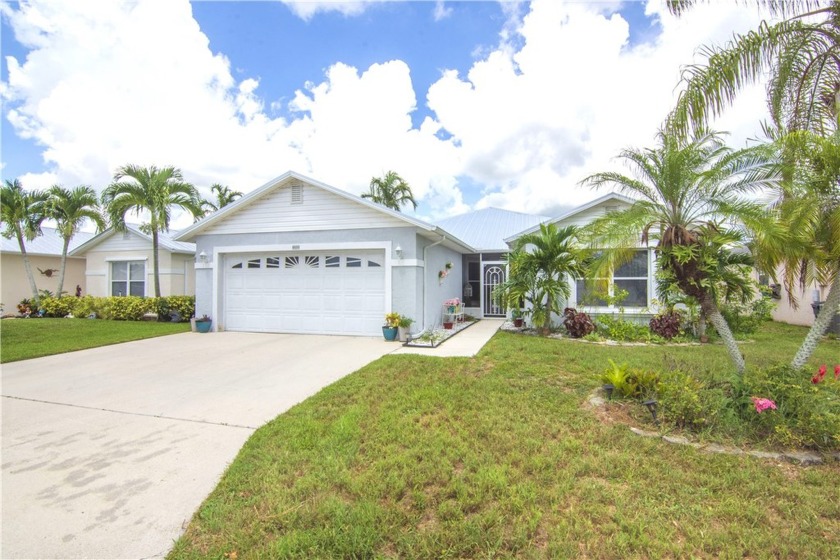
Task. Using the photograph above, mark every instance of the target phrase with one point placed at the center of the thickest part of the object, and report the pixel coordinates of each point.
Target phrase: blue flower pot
(203, 326)
(390, 333)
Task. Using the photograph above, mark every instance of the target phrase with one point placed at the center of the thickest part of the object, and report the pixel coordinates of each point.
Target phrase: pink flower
(762, 404)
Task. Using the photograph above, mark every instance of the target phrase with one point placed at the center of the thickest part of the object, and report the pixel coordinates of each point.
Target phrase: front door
(494, 275)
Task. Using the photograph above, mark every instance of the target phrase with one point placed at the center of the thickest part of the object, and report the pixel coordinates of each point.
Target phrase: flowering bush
(453, 301)
(762, 404)
(820, 375)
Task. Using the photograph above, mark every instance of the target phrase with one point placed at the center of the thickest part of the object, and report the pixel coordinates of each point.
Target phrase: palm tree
(683, 188)
(539, 268)
(22, 213)
(70, 209)
(153, 192)
(800, 54)
(390, 191)
(224, 196)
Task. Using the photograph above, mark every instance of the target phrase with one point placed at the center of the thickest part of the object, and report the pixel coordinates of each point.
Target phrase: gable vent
(297, 194)
(608, 209)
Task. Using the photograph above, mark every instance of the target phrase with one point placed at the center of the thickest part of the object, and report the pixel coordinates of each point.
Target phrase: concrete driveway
(107, 453)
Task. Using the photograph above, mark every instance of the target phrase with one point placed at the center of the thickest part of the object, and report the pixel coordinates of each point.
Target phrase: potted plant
(516, 315)
(404, 325)
(203, 323)
(391, 326)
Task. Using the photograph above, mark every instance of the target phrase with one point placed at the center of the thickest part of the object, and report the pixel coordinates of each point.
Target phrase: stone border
(801, 458)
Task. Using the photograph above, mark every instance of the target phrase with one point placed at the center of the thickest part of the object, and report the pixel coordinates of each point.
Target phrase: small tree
(391, 191)
(70, 209)
(22, 213)
(150, 191)
(539, 268)
(223, 196)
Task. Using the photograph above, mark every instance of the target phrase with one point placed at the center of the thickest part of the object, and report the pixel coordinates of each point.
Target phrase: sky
(476, 104)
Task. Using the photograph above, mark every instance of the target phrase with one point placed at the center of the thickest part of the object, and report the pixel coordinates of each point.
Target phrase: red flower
(815, 379)
(837, 371)
(822, 371)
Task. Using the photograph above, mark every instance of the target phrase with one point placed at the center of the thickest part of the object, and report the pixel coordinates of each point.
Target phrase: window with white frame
(630, 277)
(128, 278)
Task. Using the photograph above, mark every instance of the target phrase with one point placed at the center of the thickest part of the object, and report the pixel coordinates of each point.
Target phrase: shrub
(667, 325)
(747, 317)
(59, 307)
(630, 382)
(685, 401)
(131, 308)
(577, 324)
(616, 328)
(807, 414)
(184, 305)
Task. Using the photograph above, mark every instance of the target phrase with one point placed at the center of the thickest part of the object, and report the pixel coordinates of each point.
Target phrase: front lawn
(21, 339)
(498, 456)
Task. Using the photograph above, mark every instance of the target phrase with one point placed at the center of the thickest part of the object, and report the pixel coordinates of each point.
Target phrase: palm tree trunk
(709, 307)
(28, 267)
(156, 260)
(815, 334)
(63, 267)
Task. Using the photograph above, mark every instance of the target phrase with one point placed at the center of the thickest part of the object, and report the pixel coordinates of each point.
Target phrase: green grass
(498, 456)
(22, 339)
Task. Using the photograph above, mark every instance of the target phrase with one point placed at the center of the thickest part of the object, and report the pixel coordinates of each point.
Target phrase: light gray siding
(319, 210)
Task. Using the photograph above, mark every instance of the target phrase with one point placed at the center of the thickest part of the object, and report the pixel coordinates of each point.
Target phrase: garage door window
(128, 278)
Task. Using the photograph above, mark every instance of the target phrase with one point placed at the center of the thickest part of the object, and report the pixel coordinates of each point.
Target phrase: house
(299, 256)
(45, 258)
(121, 263)
(785, 311)
(636, 277)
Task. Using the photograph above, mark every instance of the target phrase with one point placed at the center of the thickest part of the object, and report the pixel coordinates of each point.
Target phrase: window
(312, 261)
(254, 263)
(631, 277)
(291, 262)
(128, 278)
(272, 262)
(354, 262)
(333, 262)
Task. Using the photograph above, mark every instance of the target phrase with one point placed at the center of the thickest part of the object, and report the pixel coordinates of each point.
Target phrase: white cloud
(555, 101)
(307, 9)
(442, 11)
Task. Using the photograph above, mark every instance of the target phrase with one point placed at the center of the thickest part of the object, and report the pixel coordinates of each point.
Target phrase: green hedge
(119, 308)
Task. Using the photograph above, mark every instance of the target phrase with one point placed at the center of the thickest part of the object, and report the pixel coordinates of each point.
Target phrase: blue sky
(475, 103)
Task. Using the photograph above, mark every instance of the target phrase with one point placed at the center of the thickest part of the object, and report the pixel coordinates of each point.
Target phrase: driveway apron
(107, 453)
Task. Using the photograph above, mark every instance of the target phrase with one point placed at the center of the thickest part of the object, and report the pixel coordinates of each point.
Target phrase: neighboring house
(299, 256)
(484, 269)
(637, 277)
(785, 312)
(45, 257)
(121, 263)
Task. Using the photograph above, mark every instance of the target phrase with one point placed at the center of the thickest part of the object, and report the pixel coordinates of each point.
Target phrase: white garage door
(323, 292)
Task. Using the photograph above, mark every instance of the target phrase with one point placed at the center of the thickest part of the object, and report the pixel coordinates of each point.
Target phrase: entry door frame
(486, 303)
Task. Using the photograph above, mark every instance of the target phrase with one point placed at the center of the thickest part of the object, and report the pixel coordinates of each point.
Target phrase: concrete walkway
(466, 343)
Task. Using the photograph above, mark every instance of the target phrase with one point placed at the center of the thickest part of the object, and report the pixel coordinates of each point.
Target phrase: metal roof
(48, 244)
(487, 229)
(165, 240)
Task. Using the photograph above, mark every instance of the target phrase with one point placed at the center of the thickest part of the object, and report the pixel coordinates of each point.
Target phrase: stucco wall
(14, 285)
(439, 291)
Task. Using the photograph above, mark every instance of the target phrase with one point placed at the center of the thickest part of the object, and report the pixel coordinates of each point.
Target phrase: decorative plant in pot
(391, 326)
(203, 323)
(404, 325)
(516, 315)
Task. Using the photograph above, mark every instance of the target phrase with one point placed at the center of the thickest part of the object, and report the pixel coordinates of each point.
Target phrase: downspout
(425, 275)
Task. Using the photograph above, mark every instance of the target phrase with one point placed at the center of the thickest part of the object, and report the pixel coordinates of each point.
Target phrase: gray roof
(487, 229)
(48, 244)
(165, 240)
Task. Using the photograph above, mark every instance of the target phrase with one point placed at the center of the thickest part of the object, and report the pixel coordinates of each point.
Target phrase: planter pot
(447, 326)
(403, 334)
(203, 326)
(517, 323)
(704, 339)
(390, 333)
(192, 325)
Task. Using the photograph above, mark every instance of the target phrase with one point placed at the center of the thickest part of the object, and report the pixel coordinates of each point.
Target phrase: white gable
(587, 215)
(297, 206)
(123, 241)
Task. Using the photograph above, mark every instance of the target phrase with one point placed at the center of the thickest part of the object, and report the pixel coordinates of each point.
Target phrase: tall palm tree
(224, 196)
(70, 209)
(800, 54)
(22, 213)
(683, 188)
(151, 192)
(539, 268)
(391, 191)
